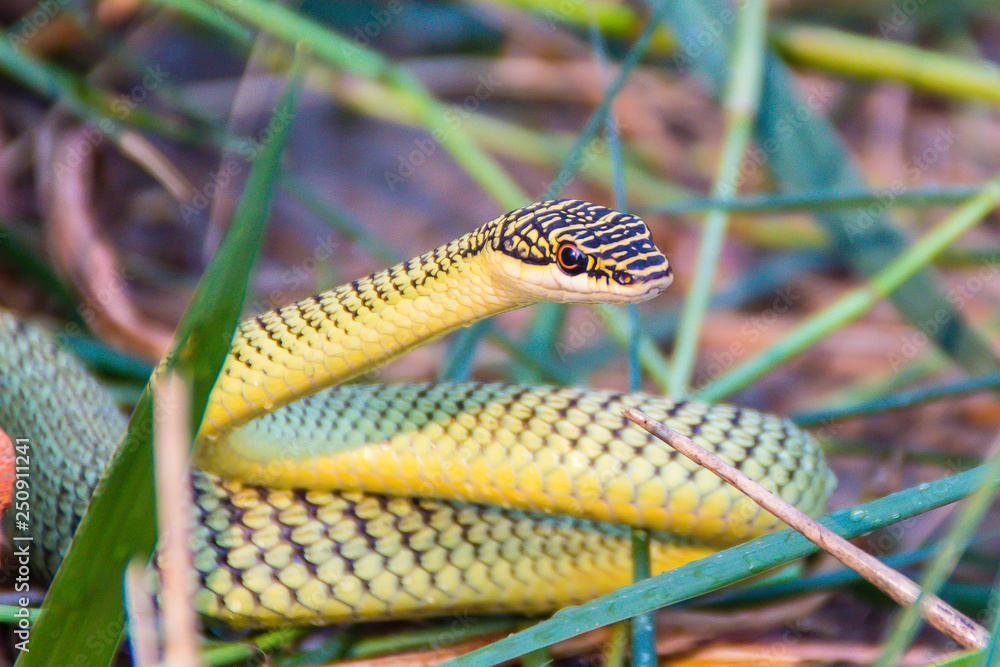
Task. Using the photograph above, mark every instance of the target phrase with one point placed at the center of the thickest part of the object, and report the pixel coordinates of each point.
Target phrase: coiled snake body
(375, 502)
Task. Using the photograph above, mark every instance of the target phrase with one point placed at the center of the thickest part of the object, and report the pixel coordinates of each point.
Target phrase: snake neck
(332, 337)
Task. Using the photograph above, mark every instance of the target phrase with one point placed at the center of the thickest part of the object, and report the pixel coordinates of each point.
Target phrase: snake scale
(380, 502)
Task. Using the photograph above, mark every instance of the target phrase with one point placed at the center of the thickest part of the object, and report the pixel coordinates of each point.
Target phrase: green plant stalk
(614, 649)
(840, 198)
(874, 58)
(725, 568)
(860, 300)
(542, 337)
(441, 635)
(955, 542)
(546, 368)
(901, 400)
(539, 658)
(226, 654)
(644, 624)
(992, 653)
(741, 102)
(653, 361)
(613, 18)
(113, 533)
(458, 365)
(12, 614)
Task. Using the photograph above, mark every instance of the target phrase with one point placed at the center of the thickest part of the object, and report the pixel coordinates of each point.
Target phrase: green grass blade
(726, 567)
(878, 58)
(740, 103)
(965, 659)
(842, 198)
(992, 653)
(119, 524)
(954, 543)
(652, 360)
(900, 400)
(458, 365)
(860, 300)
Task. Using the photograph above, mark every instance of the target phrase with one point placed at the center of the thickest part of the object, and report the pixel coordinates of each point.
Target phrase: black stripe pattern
(618, 244)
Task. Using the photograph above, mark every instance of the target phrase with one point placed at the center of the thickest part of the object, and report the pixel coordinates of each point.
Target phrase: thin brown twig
(171, 439)
(903, 590)
(141, 613)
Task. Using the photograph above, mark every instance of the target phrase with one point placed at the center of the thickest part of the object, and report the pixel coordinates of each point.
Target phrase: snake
(321, 499)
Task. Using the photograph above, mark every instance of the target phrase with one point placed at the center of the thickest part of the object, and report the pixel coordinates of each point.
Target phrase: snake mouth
(659, 283)
(656, 290)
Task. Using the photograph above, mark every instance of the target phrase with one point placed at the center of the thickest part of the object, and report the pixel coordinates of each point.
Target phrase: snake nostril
(622, 277)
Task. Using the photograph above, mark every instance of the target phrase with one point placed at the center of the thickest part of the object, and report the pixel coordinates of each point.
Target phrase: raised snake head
(574, 251)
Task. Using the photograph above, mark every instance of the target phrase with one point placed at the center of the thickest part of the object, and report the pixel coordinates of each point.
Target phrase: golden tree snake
(366, 502)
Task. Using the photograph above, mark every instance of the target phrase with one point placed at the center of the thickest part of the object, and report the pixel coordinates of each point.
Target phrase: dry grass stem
(141, 612)
(173, 510)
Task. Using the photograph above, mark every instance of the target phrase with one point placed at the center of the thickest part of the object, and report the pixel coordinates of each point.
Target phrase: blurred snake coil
(364, 502)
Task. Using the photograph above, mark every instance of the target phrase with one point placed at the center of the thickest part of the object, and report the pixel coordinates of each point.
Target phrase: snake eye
(571, 259)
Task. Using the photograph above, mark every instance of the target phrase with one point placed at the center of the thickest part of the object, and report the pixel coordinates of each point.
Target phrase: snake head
(574, 251)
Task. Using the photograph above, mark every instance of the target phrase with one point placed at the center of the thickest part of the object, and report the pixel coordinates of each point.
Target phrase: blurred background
(127, 131)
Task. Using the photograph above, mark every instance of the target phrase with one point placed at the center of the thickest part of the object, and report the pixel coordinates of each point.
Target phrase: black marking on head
(618, 245)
